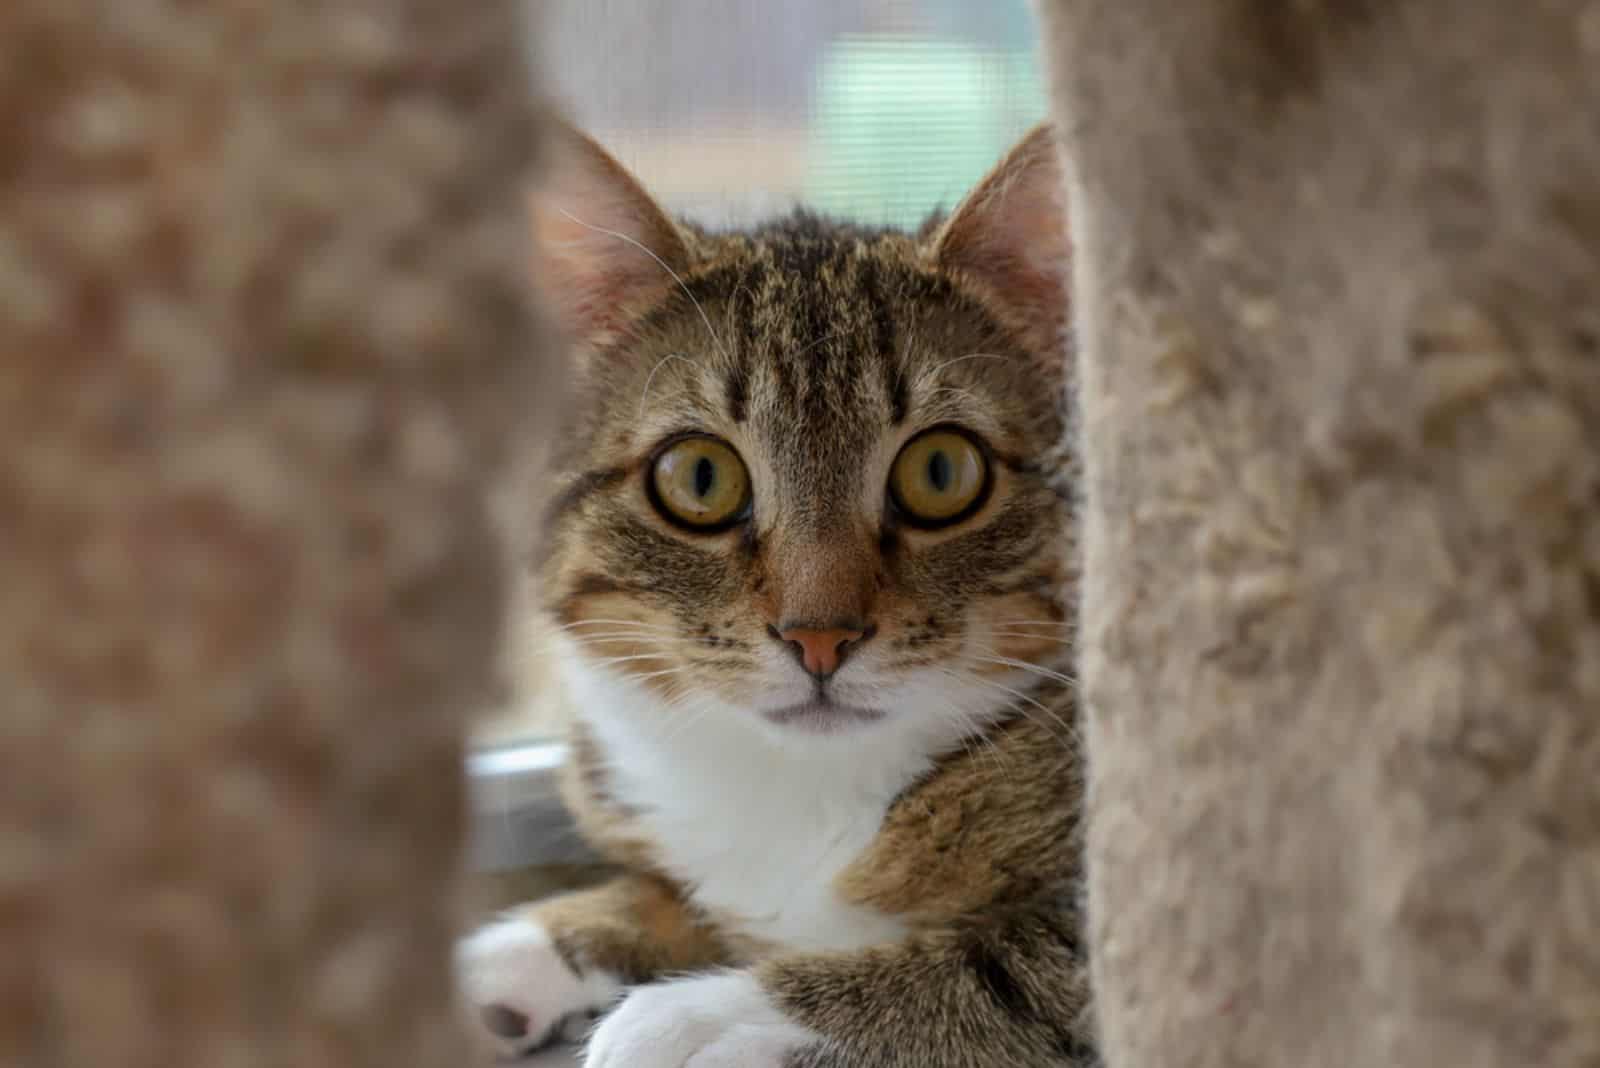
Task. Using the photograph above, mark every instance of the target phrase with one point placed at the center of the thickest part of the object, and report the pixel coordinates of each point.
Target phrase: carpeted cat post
(1336, 280)
(263, 342)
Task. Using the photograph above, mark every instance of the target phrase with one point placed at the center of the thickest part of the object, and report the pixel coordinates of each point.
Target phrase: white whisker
(610, 660)
(1027, 623)
(681, 669)
(1019, 636)
(976, 742)
(936, 368)
(603, 638)
(958, 391)
(617, 622)
(644, 395)
(685, 723)
(1018, 694)
(603, 635)
(1023, 665)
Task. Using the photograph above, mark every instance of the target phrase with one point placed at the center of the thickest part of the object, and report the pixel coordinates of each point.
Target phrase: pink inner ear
(594, 274)
(1010, 236)
(602, 248)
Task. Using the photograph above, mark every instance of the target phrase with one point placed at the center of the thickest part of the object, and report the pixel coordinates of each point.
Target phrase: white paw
(520, 993)
(714, 1021)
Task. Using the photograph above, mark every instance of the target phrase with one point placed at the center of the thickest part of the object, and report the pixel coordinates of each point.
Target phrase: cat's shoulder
(996, 820)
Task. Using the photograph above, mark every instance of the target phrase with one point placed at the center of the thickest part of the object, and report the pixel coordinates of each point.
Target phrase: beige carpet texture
(1339, 357)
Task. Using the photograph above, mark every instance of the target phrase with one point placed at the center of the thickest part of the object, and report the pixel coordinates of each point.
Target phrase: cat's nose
(822, 649)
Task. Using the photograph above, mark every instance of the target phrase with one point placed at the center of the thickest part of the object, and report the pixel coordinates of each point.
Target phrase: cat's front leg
(522, 993)
(545, 970)
(1005, 990)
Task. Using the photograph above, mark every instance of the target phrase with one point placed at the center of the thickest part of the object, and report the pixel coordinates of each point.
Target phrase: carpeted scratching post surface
(263, 343)
(1340, 364)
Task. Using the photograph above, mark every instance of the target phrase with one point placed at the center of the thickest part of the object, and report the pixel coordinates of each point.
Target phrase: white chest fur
(756, 829)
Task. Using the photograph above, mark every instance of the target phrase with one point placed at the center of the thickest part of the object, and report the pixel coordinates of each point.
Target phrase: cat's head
(812, 480)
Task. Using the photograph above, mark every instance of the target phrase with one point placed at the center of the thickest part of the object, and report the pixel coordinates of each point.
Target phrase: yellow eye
(939, 478)
(700, 483)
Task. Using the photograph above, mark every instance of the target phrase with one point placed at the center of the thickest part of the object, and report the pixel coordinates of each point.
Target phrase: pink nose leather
(820, 650)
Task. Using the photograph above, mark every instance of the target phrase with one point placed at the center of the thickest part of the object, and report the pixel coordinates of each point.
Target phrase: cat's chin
(822, 716)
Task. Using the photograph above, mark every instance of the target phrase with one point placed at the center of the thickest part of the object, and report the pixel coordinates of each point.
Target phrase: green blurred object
(906, 125)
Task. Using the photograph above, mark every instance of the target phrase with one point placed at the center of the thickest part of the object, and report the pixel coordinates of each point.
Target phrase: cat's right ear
(603, 250)
(1010, 236)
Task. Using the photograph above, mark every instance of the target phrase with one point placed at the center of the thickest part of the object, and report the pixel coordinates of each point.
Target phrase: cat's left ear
(1010, 237)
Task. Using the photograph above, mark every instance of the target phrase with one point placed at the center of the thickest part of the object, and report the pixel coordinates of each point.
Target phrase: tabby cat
(809, 555)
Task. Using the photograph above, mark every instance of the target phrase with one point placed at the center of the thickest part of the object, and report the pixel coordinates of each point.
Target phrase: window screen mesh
(879, 110)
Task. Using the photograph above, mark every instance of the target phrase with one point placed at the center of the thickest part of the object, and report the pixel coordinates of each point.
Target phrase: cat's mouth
(823, 715)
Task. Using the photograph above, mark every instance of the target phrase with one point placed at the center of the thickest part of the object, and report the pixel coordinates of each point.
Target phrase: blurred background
(731, 110)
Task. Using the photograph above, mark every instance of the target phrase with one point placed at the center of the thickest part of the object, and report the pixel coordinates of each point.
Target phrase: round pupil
(940, 471)
(705, 475)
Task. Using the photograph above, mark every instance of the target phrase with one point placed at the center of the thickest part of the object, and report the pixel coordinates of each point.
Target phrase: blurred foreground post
(1337, 278)
(263, 340)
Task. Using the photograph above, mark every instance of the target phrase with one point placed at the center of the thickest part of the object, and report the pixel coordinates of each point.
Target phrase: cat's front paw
(519, 991)
(713, 1021)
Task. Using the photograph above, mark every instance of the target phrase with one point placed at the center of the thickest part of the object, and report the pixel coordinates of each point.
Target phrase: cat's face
(813, 482)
